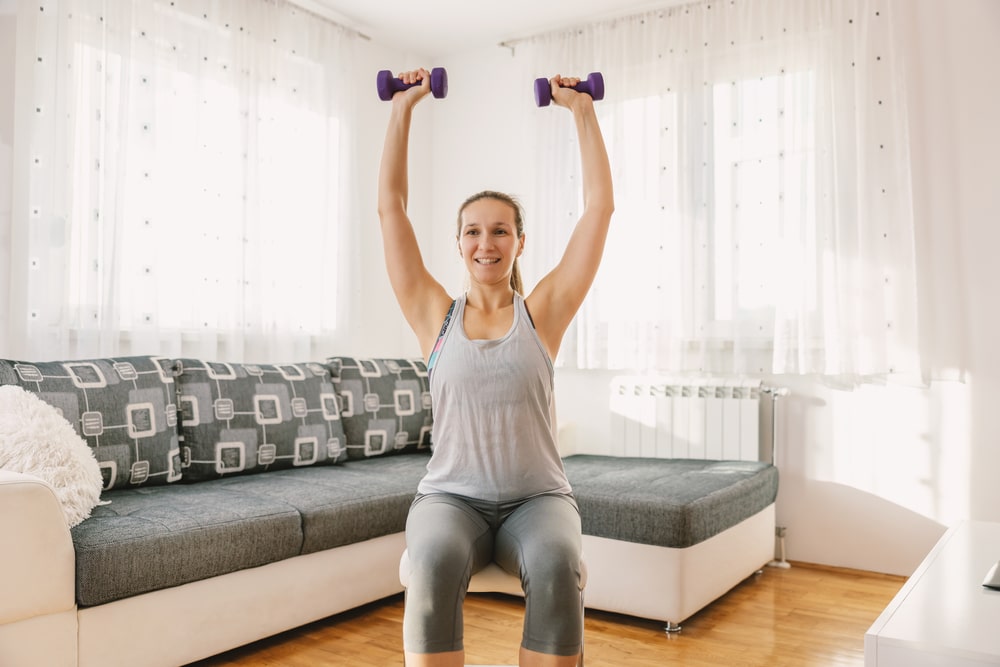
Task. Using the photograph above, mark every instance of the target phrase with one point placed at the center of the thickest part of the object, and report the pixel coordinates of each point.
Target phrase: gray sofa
(241, 500)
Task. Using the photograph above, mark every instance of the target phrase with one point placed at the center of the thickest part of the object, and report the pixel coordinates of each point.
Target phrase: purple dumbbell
(593, 86)
(388, 85)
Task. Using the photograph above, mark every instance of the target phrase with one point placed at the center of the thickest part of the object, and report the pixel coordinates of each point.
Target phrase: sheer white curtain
(763, 217)
(183, 179)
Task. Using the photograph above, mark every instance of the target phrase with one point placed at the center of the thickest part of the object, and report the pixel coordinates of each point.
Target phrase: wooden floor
(806, 616)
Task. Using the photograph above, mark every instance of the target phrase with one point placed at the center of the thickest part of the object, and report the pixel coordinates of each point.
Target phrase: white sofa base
(190, 622)
(49, 639)
(672, 584)
(661, 583)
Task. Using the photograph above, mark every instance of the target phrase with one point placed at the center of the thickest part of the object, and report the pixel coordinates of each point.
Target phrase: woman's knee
(445, 541)
(443, 567)
(556, 575)
(542, 541)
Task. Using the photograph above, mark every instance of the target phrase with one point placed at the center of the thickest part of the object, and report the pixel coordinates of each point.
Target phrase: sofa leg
(671, 628)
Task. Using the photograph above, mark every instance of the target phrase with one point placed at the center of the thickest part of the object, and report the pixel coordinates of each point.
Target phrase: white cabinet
(943, 616)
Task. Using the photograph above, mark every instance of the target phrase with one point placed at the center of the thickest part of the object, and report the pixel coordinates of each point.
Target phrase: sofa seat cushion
(667, 502)
(355, 501)
(161, 536)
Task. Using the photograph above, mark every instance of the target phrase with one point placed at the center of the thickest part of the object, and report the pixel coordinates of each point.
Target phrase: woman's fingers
(562, 89)
(419, 85)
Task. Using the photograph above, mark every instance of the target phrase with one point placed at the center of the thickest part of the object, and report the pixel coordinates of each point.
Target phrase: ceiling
(435, 28)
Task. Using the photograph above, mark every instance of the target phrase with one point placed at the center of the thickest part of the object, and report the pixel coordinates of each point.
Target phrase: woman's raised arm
(557, 297)
(423, 300)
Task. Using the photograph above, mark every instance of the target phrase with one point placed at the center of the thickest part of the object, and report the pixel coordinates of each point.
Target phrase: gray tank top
(494, 430)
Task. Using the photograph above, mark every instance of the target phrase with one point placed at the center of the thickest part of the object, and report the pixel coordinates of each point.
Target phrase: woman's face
(488, 241)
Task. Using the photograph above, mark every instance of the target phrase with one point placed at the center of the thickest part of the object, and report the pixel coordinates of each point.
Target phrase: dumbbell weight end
(439, 82)
(543, 92)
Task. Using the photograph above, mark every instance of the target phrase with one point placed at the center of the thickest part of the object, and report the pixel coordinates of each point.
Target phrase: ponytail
(515, 279)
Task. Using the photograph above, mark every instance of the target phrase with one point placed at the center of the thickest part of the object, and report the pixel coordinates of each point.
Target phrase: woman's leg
(540, 541)
(446, 541)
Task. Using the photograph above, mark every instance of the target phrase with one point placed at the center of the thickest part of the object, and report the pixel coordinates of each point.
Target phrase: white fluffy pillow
(36, 439)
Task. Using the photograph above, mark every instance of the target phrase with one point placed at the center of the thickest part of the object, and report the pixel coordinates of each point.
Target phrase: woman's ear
(520, 245)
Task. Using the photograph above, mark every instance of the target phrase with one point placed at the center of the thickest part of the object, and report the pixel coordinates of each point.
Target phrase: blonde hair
(515, 205)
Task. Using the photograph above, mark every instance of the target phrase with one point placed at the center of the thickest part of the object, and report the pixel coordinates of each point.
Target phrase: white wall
(379, 330)
(869, 478)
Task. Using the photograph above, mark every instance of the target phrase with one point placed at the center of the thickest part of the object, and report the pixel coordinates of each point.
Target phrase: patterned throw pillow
(385, 405)
(249, 418)
(126, 410)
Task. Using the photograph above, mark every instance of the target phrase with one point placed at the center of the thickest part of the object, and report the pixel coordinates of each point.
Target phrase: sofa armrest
(37, 561)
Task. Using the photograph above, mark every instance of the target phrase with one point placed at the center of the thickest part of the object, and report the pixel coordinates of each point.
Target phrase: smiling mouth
(487, 260)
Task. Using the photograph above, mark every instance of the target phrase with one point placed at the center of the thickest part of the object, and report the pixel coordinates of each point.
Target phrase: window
(204, 181)
(763, 220)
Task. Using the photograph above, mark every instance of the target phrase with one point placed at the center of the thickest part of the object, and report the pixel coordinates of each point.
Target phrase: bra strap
(440, 340)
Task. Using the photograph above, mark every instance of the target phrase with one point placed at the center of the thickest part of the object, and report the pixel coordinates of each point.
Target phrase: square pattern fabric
(249, 418)
(125, 408)
(385, 405)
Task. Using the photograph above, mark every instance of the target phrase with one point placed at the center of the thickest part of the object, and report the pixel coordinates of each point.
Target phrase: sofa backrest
(248, 418)
(385, 405)
(156, 420)
(125, 408)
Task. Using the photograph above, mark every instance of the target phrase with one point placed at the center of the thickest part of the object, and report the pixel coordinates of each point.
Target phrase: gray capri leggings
(449, 538)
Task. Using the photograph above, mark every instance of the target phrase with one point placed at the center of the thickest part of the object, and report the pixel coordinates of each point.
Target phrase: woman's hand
(411, 96)
(563, 93)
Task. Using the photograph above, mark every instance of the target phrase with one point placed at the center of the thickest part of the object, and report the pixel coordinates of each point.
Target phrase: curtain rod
(320, 9)
(600, 18)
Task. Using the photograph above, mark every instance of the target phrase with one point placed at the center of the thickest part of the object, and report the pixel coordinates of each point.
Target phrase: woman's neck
(489, 299)
(488, 314)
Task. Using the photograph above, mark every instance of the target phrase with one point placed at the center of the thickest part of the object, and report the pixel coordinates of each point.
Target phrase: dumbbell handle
(388, 85)
(593, 85)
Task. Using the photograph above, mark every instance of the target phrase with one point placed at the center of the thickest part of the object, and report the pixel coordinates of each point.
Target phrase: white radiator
(692, 418)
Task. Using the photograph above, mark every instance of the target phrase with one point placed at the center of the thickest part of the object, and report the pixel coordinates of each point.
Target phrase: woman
(495, 489)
